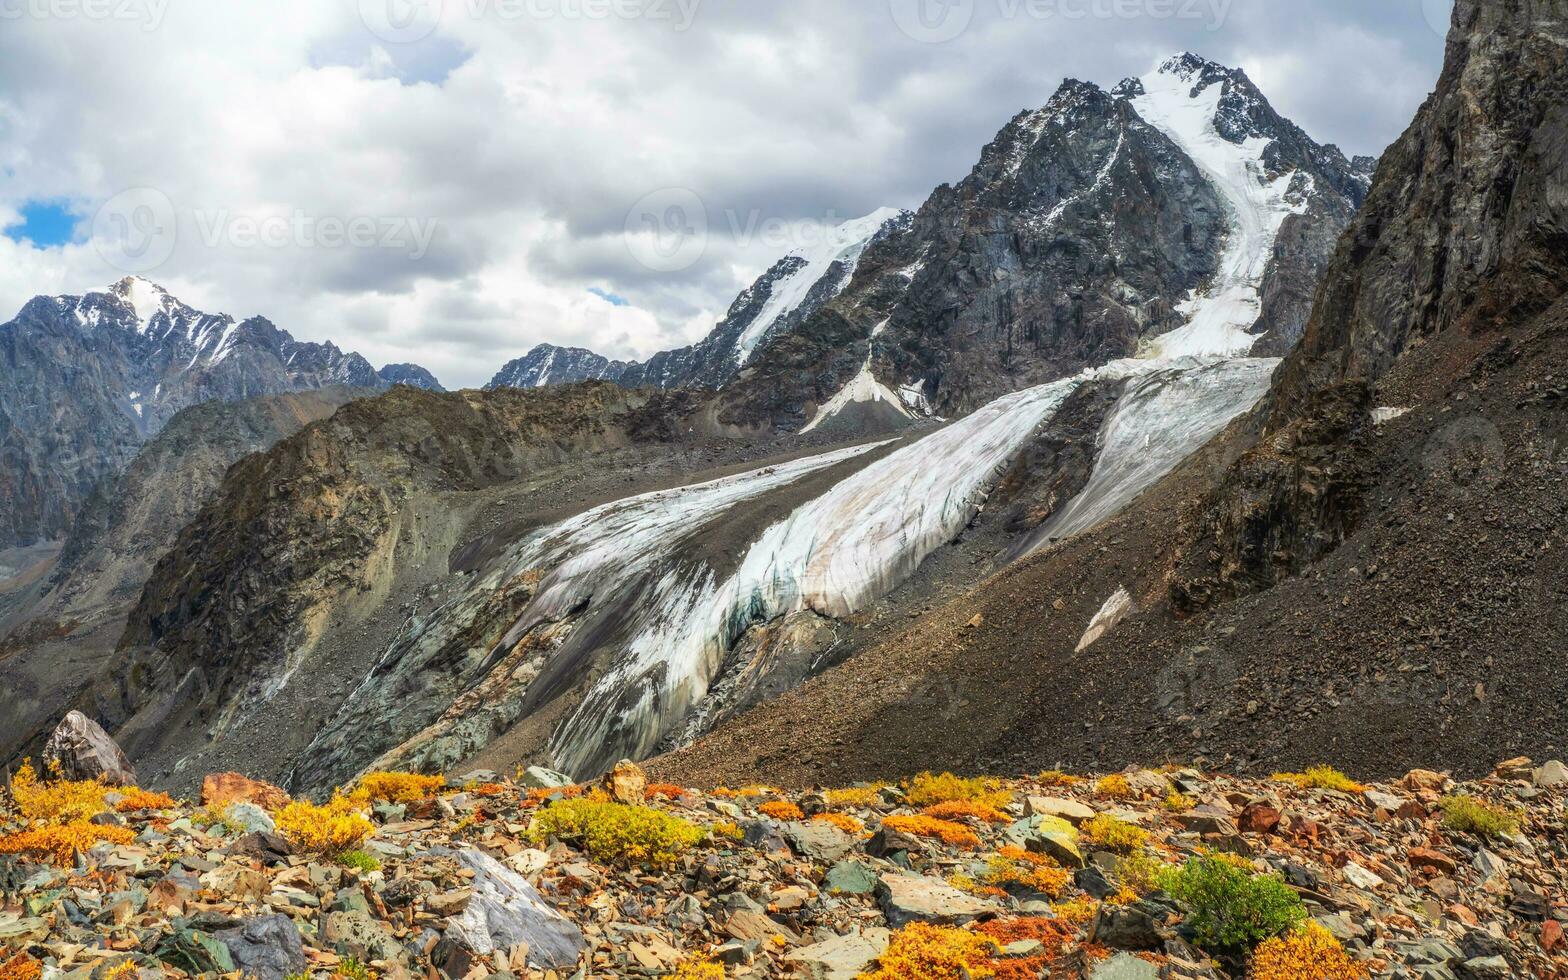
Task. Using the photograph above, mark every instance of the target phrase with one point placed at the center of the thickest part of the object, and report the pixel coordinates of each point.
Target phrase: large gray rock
(916, 898)
(85, 751)
(1125, 966)
(506, 911)
(268, 947)
(839, 958)
(818, 841)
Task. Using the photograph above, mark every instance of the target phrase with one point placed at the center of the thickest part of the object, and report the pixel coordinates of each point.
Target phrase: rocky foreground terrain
(1170, 873)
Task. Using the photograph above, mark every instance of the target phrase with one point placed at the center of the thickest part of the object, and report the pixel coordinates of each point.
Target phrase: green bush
(1232, 909)
(1468, 815)
(362, 861)
(614, 833)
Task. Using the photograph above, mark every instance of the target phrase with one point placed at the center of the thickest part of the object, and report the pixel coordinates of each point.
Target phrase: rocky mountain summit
(794, 288)
(1169, 874)
(85, 380)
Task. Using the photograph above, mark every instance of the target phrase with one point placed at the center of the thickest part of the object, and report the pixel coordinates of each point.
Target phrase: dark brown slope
(1330, 590)
(58, 632)
(278, 597)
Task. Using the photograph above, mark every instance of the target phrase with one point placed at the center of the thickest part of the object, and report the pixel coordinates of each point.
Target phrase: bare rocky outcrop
(81, 749)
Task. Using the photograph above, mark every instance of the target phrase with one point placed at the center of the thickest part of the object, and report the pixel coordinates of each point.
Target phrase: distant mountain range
(86, 380)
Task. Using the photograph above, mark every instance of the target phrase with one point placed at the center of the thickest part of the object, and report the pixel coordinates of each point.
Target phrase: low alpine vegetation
(1112, 834)
(928, 789)
(331, 830)
(1233, 909)
(400, 787)
(943, 830)
(1310, 951)
(927, 952)
(1321, 777)
(1468, 815)
(615, 833)
(781, 810)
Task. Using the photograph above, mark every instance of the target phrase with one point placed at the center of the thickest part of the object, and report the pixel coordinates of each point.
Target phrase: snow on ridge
(844, 244)
(1220, 318)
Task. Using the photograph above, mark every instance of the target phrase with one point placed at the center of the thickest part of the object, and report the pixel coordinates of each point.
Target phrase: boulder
(839, 958)
(225, 788)
(505, 911)
(1053, 806)
(538, 777)
(268, 947)
(916, 898)
(626, 783)
(1551, 775)
(850, 878)
(1048, 835)
(1124, 966)
(84, 750)
(818, 841)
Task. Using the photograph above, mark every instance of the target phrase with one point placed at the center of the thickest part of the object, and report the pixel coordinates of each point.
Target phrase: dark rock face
(1071, 244)
(85, 380)
(1465, 229)
(56, 636)
(409, 374)
(784, 297)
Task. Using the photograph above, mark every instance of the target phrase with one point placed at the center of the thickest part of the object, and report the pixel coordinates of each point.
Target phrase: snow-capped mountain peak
(839, 247)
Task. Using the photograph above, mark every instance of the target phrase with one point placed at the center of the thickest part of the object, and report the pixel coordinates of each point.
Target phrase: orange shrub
(1036, 872)
(1053, 936)
(781, 810)
(842, 821)
(19, 967)
(944, 830)
(330, 830)
(1115, 787)
(926, 952)
(58, 800)
(135, 798)
(967, 809)
(60, 842)
(1309, 952)
(666, 791)
(399, 787)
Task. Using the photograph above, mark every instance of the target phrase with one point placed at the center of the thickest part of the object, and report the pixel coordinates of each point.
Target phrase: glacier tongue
(832, 556)
(1162, 418)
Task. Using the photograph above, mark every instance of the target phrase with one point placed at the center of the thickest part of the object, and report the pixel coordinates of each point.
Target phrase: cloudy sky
(453, 181)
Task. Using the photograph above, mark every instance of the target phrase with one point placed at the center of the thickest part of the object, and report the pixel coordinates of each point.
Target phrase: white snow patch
(1383, 416)
(146, 299)
(863, 388)
(1117, 608)
(1219, 319)
(843, 244)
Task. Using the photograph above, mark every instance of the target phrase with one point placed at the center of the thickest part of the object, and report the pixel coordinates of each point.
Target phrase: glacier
(625, 605)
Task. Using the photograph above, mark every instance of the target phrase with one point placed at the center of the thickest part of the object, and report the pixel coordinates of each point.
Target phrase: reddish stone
(1259, 818)
(1410, 810)
(222, 788)
(1552, 936)
(1463, 914)
(1304, 829)
(1425, 857)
